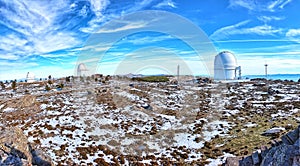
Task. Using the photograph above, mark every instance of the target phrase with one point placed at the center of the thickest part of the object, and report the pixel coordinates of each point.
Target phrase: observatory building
(30, 77)
(225, 67)
(81, 69)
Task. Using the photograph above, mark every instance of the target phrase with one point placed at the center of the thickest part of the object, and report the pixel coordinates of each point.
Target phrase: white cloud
(166, 3)
(128, 26)
(278, 4)
(99, 6)
(284, 3)
(235, 29)
(54, 42)
(34, 25)
(270, 18)
(9, 56)
(293, 33)
(11, 43)
(261, 30)
(242, 3)
(224, 32)
(259, 5)
(138, 40)
(138, 6)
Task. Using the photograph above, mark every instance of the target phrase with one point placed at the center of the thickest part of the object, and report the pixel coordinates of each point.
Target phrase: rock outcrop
(15, 149)
(283, 153)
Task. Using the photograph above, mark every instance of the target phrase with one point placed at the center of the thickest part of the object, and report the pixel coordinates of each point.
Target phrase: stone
(39, 158)
(14, 143)
(275, 143)
(293, 135)
(255, 158)
(272, 132)
(232, 161)
(16, 150)
(296, 160)
(286, 140)
(264, 151)
(247, 161)
(297, 143)
(282, 153)
(282, 156)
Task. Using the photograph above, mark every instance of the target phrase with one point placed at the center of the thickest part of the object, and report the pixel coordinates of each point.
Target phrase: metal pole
(266, 70)
(178, 73)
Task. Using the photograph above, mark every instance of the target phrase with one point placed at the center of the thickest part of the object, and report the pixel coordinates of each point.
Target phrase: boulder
(283, 155)
(14, 145)
(232, 161)
(16, 150)
(273, 131)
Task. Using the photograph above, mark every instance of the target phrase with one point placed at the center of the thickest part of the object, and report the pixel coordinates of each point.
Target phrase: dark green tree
(50, 82)
(14, 85)
(107, 77)
(47, 88)
(68, 79)
(2, 85)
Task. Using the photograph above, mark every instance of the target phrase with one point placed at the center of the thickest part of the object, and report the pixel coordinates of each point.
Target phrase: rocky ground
(121, 122)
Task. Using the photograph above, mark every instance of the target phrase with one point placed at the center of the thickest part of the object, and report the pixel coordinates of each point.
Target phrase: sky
(150, 36)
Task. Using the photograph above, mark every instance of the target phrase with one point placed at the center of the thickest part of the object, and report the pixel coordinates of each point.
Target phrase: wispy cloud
(278, 4)
(101, 16)
(270, 18)
(258, 5)
(128, 26)
(166, 3)
(98, 7)
(34, 27)
(140, 39)
(226, 32)
(9, 56)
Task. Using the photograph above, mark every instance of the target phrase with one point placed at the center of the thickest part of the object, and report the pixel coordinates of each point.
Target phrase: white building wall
(224, 66)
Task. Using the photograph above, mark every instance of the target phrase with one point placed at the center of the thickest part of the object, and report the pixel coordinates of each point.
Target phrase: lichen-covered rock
(16, 151)
(232, 161)
(282, 155)
(14, 145)
(39, 158)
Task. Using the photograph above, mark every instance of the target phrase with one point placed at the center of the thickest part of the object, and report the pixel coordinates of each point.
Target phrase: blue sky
(47, 37)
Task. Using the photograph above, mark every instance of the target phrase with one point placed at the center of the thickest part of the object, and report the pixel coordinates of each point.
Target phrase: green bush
(47, 88)
(152, 79)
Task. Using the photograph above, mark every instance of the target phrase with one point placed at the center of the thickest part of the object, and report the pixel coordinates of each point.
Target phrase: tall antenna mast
(178, 68)
(266, 70)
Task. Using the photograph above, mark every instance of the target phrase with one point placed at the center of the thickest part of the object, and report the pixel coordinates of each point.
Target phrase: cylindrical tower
(225, 66)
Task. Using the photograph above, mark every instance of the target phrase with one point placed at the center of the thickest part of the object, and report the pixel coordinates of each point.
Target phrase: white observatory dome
(81, 67)
(30, 77)
(225, 66)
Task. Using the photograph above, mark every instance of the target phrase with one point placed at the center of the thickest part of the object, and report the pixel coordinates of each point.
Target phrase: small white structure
(225, 67)
(81, 69)
(30, 77)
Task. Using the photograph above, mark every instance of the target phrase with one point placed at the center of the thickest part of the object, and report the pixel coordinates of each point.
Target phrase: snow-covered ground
(156, 123)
